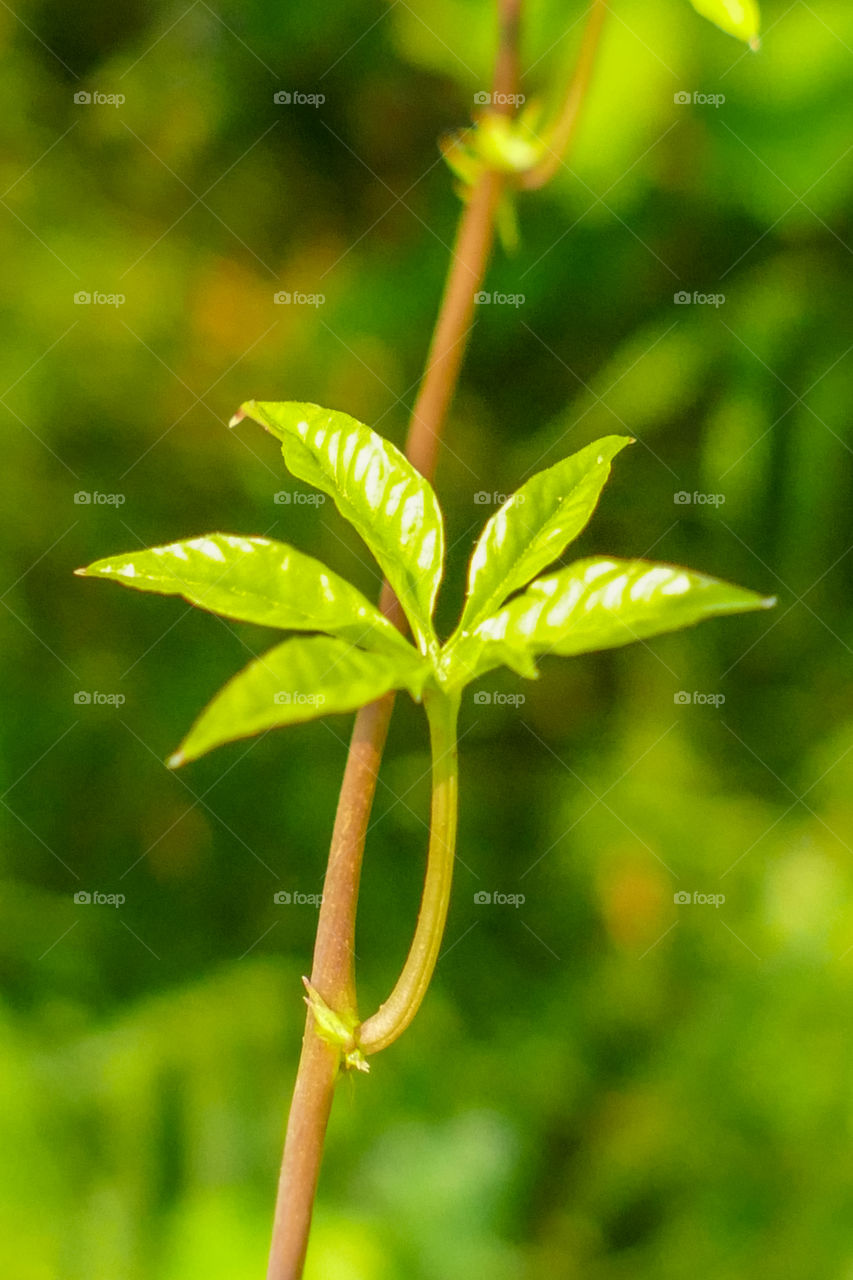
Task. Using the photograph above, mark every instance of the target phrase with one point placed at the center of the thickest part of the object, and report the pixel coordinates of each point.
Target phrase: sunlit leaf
(254, 580)
(376, 488)
(299, 680)
(739, 18)
(599, 604)
(534, 526)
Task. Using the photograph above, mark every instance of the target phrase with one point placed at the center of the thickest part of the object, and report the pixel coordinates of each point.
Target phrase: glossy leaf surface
(600, 603)
(534, 526)
(739, 18)
(299, 680)
(376, 488)
(255, 580)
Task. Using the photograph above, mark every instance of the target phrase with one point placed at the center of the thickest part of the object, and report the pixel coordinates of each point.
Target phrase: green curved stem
(392, 1017)
(566, 124)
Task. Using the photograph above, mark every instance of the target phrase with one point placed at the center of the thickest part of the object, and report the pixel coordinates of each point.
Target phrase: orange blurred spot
(633, 897)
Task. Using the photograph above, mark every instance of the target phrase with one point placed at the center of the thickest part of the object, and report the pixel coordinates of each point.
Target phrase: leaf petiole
(392, 1017)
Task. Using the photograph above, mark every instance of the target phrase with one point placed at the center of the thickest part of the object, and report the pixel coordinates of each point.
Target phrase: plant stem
(392, 1017)
(332, 969)
(332, 975)
(563, 132)
(332, 972)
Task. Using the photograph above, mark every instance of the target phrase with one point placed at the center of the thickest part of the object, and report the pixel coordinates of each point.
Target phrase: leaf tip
(769, 602)
(755, 44)
(80, 573)
(176, 759)
(237, 418)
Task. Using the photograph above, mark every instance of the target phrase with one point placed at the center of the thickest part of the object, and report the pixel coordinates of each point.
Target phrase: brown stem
(332, 971)
(332, 975)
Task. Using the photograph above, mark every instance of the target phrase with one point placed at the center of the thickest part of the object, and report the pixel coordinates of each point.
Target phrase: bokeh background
(604, 1082)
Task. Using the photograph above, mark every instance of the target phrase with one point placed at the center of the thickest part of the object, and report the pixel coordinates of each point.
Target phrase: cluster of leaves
(510, 616)
(515, 145)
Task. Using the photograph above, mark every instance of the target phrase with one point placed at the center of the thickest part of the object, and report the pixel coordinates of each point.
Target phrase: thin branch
(332, 972)
(395, 1014)
(563, 132)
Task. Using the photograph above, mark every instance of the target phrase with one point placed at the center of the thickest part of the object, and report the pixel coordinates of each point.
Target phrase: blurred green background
(604, 1082)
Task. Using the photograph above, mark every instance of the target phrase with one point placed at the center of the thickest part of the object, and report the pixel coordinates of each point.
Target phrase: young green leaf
(299, 680)
(739, 18)
(534, 527)
(602, 603)
(376, 488)
(255, 580)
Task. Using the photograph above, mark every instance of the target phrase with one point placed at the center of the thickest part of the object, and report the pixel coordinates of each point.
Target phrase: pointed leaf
(596, 604)
(534, 527)
(300, 680)
(376, 488)
(255, 580)
(739, 18)
(602, 603)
